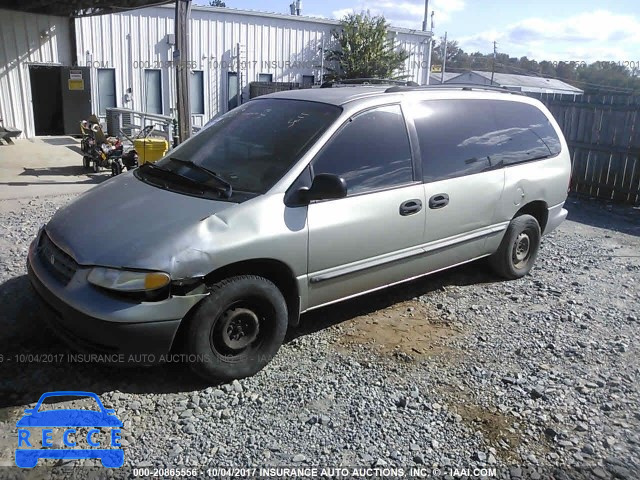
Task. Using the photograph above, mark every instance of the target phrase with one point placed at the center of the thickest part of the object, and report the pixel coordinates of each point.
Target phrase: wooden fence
(603, 133)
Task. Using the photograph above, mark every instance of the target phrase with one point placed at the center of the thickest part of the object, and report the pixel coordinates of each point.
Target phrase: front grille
(57, 262)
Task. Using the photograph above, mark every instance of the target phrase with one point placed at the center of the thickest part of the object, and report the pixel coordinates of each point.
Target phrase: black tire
(519, 248)
(237, 329)
(96, 166)
(86, 162)
(116, 169)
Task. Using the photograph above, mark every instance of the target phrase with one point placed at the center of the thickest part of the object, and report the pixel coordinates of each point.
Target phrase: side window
(529, 132)
(463, 137)
(371, 152)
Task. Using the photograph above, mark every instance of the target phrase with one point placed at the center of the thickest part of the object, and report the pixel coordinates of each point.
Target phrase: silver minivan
(293, 201)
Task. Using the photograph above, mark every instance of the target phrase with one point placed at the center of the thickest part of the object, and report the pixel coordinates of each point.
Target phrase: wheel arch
(277, 272)
(538, 209)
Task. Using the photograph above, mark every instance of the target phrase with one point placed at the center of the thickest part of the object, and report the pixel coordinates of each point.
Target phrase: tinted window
(370, 152)
(462, 137)
(253, 145)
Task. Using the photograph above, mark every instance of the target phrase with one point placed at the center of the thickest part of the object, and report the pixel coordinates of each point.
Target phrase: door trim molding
(426, 248)
(342, 299)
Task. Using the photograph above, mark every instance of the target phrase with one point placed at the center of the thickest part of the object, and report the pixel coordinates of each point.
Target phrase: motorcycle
(98, 151)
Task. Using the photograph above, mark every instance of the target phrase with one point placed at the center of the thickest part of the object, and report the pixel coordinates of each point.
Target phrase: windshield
(251, 147)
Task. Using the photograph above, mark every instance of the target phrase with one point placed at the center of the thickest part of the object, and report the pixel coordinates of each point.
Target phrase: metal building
(521, 83)
(125, 60)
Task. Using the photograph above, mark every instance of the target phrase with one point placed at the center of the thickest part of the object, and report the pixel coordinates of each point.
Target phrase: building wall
(287, 47)
(27, 39)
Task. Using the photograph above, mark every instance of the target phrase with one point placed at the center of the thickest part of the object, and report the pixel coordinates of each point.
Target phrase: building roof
(526, 82)
(434, 78)
(297, 18)
(77, 8)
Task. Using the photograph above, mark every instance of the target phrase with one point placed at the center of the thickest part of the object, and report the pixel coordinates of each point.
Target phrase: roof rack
(450, 86)
(368, 81)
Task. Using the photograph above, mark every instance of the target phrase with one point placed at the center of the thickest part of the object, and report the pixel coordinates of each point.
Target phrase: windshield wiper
(176, 176)
(222, 184)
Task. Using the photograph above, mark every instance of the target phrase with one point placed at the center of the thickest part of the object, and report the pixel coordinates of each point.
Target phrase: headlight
(128, 281)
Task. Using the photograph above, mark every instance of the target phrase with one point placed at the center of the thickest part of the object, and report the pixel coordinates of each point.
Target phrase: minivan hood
(125, 222)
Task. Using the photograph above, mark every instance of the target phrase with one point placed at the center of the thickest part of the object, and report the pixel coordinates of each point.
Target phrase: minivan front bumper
(91, 320)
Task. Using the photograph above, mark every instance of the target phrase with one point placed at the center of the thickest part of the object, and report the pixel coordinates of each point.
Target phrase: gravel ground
(535, 377)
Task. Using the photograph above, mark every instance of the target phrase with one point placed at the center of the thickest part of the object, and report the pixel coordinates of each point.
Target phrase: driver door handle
(410, 207)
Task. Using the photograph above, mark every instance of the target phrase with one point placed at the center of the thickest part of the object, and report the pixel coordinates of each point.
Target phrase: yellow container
(150, 149)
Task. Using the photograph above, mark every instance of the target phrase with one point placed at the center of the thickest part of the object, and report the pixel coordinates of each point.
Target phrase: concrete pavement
(44, 166)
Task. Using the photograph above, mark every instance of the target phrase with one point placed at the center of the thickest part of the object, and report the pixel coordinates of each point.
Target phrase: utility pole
(424, 26)
(444, 58)
(181, 62)
(239, 95)
(493, 63)
(426, 16)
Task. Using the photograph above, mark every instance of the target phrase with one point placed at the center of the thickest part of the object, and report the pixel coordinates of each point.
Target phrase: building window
(106, 89)
(196, 93)
(308, 81)
(232, 90)
(265, 77)
(153, 91)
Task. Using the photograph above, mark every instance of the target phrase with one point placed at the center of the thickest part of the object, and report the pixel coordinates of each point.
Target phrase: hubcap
(521, 249)
(240, 327)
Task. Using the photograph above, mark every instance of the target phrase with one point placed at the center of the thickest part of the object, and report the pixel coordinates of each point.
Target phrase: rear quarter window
(463, 137)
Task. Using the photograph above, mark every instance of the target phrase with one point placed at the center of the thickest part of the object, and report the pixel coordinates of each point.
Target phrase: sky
(561, 30)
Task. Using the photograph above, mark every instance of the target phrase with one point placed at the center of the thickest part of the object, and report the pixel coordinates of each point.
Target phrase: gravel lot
(458, 370)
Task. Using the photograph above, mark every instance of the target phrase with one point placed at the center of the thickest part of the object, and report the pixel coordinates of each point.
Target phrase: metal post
(322, 62)
(429, 54)
(239, 95)
(181, 62)
(493, 63)
(426, 15)
(444, 58)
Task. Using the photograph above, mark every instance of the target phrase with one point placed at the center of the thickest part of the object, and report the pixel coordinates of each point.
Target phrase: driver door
(371, 237)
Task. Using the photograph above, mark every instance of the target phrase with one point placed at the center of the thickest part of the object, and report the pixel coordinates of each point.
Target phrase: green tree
(217, 3)
(364, 50)
(456, 58)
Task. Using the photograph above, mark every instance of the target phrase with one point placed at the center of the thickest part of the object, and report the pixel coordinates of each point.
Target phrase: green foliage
(364, 50)
(217, 3)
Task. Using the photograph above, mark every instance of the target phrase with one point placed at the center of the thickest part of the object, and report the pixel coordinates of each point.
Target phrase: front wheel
(519, 248)
(237, 329)
(116, 169)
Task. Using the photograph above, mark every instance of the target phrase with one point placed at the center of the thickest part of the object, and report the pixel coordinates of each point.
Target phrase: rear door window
(464, 137)
(370, 152)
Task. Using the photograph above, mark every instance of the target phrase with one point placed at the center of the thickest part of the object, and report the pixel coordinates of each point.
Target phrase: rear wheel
(519, 248)
(86, 162)
(237, 329)
(96, 166)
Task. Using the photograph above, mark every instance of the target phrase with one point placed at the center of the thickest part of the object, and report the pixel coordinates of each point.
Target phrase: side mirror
(325, 186)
